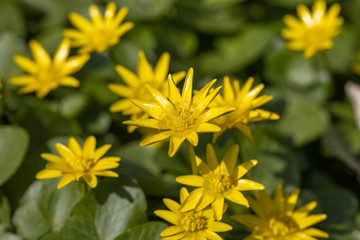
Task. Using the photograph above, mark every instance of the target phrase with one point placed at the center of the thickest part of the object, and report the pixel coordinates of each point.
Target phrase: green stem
(83, 188)
(192, 157)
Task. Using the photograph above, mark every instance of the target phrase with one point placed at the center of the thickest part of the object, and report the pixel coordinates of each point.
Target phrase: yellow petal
(144, 68)
(127, 76)
(316, 233)
(291, 200)
(205, 103)
(191, 180)
(229, 94)
(174, 94)
(26, 64)
(106, 173)
(193, 138)
(175, 143)
(210, 235)
(172, 230)
(192, 200)
(215, 112)
(312, 220)
(64, 151)
(236, 197)
(207, 127)
(152, 109)
(104, 165)
(22, 80)
(230, 157)
(69, 81)
(62, 52)
(167, 216)
(211, 158)
(162, 67)
(304, 13)
(249, 220)
(101, 151)
(109, 12)
(89, 147)
(178, 76)
(46, 173)
(120, 90)
(245, 129)
(121, 15)
(187, 88)
(245, 89)
(95, 15)
(74, 146)
(80, 22)
(124, 28)
(219, 226)
(183, 194)
(218, 207)
(171, 204)
(75, 63)
(149, 123)
(65, 180)
(201, 95)
(207, 198)
(156, 138)
(279, 199)
(52, 158)
(90, 179)
(245, 167)
(246, 185)
(167, 106)
(40, 55)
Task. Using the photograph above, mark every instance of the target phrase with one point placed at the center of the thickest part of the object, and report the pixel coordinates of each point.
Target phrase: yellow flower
(314, 31)
(245, 101)
(190, 225)
(278, 220)
(219, 182)
(75, 163)
(46, 74)
(179, 117)
(135, 85)
(100, 33)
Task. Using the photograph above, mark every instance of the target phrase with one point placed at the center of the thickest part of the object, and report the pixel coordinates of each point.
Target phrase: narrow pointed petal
(105, 165)
(215, 112)
(47, 173)
(144, 68)
(101, 151)
(174, 94)
(245, 129)
(236, 197)
(167, 106)
(106, 173)
(89, 147)
(191, 180)
(167, 216)
(230, 157)
(219, 226)
(211, 235)
(211, 158)
(64, 151)
(245, 167)
(246, 185)
(175, 143)
(192, 200)
(172, 230)
(65, 180)
(171, 204)
(316, 233)
(26, 64)
(291, 200)
(152, 109)
(229, 94)
(162, 67)
(156, 138)
(120, 90)
(40, 55)
(249, 220)
(201, 95)
(218, 206)
(74, 146)
(95, 15)
(62, 52)
(207, 127)
(193, 138)
(52, 158)
(80, 22)
(187, 88)
(312, 220)
(127, 76)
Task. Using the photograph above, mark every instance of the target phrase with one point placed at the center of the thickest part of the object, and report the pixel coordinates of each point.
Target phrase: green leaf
(5, 212)
(46, 206)
(339, 204)
(302, 121)
(13, 145)
(145, 9)
(115, 205)
(12, 16)
(149, 230)
(238, 51)
(72, 105)
(8, 236)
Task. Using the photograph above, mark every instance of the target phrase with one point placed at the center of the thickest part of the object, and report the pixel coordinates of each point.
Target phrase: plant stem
(192, 157)
(83, 188)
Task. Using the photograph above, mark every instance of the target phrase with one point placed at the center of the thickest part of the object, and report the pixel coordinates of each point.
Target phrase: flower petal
(65, 180)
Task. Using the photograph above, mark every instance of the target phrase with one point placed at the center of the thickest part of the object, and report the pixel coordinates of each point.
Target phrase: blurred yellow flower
(100, 33)
(135, 85)
(75, 163)
(45, 74)
(315, 31)
(278, 220)
(179, 117)
(246, 102)
(218, 181)
(190, 225)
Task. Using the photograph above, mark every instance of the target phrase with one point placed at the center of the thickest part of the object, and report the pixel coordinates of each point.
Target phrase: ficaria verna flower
(246, 102)
(100, 33)
(75, 163)
(315, 31)
(45, 74)
(190, 225)
(135, 85)
(179, 117)
(278, 220)
(219, 181)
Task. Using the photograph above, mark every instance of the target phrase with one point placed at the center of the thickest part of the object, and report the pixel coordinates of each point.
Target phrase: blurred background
(315, 145)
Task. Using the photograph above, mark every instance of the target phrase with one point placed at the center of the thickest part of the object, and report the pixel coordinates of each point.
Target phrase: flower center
(283, 226)
(48, 77)
(181, 123)
(219, 182)
(193, 221)
(317, 35)
(82, 164)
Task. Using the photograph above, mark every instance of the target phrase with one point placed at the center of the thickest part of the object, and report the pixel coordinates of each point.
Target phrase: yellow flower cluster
(152, 100)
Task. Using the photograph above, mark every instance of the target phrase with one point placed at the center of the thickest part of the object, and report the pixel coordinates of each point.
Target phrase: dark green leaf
(13, 145)
(46, 206)
(113, 207)
(5, 212)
